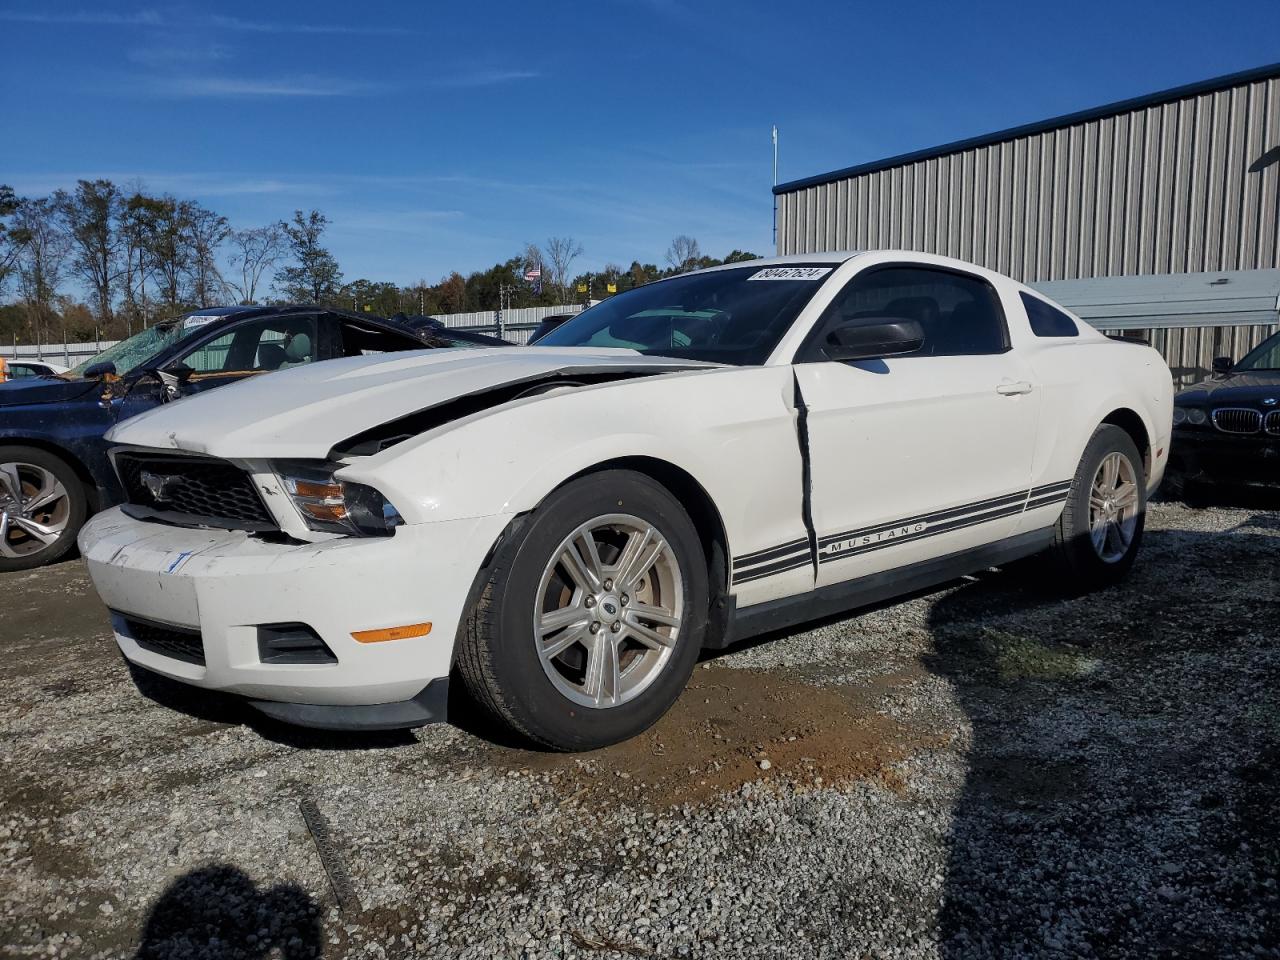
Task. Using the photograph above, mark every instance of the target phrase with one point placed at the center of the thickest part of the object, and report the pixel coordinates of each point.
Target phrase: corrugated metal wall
(1183, 186)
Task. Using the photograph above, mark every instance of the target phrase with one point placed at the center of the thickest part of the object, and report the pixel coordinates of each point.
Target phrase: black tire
(1181, 488)
(1079, 566)
(76, 514)
(496, 655)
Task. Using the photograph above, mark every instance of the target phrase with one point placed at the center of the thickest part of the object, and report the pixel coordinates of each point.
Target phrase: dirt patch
(734, 726)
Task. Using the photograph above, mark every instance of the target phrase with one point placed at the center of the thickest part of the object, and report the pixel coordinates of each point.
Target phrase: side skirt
(877, 587)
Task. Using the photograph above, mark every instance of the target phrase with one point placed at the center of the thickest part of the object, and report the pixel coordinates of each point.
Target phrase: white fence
(516, 325)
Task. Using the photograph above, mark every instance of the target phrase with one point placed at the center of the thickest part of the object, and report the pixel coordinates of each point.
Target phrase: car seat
(298, 350)
(271, 356)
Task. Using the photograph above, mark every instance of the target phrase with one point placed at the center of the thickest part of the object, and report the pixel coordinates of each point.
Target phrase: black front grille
(180, 643)
(1237, 420)
(199, 490)
(1272, 424)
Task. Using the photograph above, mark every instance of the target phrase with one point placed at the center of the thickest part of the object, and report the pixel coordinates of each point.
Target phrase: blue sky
(441, 136)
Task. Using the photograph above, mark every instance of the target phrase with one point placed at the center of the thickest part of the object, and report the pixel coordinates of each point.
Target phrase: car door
(244, 349)
(917, 456)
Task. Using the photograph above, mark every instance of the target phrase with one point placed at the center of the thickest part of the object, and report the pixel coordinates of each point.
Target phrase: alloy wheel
(34, 509)
(1114, 505)
(609, 607)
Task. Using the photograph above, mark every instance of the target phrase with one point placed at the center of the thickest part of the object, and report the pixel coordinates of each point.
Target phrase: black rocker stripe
(1048, 500)
(790, 556)
(939, 515)
(1060, 487)
(771, 553)
(782, 566)
(958, 524)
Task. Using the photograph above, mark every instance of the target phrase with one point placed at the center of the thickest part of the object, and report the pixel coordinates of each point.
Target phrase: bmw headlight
(333, 506)
(1195, 416)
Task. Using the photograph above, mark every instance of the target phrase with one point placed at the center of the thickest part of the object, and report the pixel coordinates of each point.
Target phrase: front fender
(731, 429)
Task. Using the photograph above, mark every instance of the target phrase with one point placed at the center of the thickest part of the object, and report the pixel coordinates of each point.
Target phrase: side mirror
(1221, 365)
(96, 371)
(882, 337)
(172, 379)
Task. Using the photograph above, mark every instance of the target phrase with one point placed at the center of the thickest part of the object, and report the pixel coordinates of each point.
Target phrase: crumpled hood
(43, 390)
(305, 411)
(1235, 388)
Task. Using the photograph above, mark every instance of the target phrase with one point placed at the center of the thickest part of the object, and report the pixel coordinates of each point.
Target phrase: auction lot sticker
(790, 273)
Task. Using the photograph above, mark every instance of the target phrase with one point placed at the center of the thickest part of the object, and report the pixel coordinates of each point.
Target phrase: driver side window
(959, 313)
(274, 343)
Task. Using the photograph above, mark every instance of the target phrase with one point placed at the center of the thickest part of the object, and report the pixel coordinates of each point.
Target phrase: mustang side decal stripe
(770, 553)
(836, 546)
(772, 569)
(1008, 499)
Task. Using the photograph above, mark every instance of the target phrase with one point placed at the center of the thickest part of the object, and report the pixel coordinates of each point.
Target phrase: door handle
(1011, 388)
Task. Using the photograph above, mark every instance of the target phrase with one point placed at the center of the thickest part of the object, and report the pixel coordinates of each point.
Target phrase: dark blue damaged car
(54, 470)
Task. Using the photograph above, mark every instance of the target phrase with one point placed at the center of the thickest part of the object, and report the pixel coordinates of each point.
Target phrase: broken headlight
(335, 506)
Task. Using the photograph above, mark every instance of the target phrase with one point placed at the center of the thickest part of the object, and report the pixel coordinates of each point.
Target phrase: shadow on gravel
(1124, 776)
(1240, 497)
(219, 912)
(213, 707)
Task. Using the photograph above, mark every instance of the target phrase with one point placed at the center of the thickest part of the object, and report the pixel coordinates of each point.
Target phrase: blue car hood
(44, 390)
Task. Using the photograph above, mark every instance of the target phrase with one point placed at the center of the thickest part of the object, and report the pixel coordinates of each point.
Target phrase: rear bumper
(216, 588)
(1210, 455)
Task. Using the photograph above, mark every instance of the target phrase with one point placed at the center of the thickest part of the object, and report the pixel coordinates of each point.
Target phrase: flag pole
(775, 183)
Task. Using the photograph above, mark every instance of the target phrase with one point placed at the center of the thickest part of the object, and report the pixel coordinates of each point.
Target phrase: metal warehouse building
(1185, 182)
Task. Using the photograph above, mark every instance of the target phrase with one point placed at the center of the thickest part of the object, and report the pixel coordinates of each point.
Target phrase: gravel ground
(982, 771)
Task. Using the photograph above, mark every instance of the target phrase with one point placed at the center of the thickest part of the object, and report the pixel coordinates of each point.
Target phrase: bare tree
(8, 248)
(43, 250)
(682, 253)
(206, 232)
(561, 252)
(254, 252)
(91, 215)
(134, 230)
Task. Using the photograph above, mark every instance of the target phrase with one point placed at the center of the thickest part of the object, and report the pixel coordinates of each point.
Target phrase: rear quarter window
(1047, 321)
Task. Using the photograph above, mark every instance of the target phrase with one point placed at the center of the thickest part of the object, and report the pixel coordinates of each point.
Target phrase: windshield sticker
(192, 322)
(790, 273)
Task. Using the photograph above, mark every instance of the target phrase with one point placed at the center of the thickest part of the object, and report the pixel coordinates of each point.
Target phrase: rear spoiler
(1129, 338)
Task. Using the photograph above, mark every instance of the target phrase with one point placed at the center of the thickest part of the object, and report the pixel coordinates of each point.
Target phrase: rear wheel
(42, 507)
(1100, 530)
(589, 619)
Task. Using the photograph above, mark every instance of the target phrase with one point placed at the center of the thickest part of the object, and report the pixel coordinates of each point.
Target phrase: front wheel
(588, 621)
(1100, 530)
(42, 507)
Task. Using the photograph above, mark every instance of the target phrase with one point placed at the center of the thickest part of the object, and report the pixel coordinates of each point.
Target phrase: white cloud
(143, 18)
(484, 78)
(194, 87)
(154, 18)
(264, 26)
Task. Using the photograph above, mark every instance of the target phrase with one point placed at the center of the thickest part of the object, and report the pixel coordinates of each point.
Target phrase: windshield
(137, 350)
(1265, 356)
(726, 316)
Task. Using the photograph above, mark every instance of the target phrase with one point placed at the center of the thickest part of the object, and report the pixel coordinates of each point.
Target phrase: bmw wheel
(588, 621)
(42, 507)
(1100, 530)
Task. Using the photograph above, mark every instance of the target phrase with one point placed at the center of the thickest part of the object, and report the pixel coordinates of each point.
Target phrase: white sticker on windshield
(197, 321)
(790, 273)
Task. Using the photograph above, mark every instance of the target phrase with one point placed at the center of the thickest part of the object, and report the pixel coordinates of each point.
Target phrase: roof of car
(832, 257)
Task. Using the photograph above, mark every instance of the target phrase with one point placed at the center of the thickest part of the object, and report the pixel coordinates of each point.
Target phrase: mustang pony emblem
(159, 485)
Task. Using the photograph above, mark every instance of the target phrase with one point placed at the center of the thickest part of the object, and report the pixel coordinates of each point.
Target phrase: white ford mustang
(565, 526)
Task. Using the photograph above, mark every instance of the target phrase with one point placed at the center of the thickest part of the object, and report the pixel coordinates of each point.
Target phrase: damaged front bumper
(204, 607)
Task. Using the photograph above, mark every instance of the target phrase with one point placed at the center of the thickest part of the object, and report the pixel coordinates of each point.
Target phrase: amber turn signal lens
(392, 633)
(333, 512)
(316, 491)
